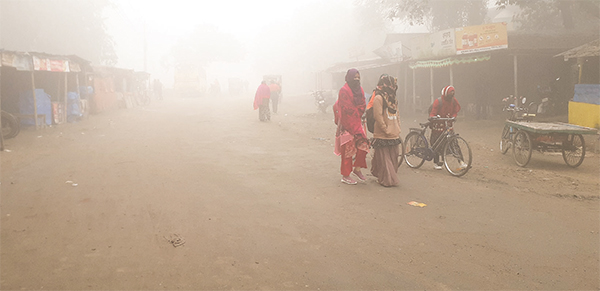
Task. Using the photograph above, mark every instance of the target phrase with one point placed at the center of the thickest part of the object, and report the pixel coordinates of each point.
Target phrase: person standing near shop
(261, 101)
(350, 139)
(386, 134)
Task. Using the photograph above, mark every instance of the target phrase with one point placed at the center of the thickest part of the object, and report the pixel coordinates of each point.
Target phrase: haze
(276, 35)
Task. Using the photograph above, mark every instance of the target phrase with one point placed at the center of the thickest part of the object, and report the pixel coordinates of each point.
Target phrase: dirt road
(259, 206)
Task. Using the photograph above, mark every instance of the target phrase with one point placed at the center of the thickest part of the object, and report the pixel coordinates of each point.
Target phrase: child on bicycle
(446, 107)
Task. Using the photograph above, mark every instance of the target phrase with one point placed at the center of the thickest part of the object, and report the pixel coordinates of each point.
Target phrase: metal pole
(451, 76)
(79, 93)
(35, 116)
(431, 83)
(580, 66)
(66, 101)
(515, 75)
(414, 92)
(1, 137)
(405, 86)
(145, 48)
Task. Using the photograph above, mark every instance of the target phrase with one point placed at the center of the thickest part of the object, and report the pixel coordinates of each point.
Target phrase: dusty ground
(260, 207)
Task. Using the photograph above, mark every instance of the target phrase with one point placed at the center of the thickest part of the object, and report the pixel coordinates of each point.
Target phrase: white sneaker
(349, 181)
(463, 166)
(437, 167)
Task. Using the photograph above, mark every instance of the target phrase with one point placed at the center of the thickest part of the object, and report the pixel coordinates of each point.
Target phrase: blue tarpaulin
(587, 93)
(73, 108)
(44, 106)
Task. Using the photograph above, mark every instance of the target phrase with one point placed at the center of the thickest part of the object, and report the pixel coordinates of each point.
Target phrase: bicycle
(143, 98)
(455, 151)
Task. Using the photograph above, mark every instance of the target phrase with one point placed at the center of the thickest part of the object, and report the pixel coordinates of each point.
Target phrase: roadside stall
(584, 107)
(36, 87)
(112, 89)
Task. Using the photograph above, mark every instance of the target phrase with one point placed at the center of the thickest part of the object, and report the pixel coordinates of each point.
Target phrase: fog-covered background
(249, 39)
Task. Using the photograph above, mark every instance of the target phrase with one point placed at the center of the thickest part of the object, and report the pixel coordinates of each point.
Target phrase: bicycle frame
(438, 144)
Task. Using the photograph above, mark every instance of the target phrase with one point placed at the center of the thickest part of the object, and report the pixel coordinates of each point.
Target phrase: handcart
(525, 136)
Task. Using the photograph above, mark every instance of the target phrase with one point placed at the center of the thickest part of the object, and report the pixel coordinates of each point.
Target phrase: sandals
(349, 181)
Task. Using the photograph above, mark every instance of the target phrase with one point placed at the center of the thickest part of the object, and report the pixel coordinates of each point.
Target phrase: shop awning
(449, 61)
(591, 49)
(28, 61)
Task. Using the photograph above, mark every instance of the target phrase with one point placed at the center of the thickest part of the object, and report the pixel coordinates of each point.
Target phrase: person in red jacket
(448, 109)
(350, 139)
(261, 101)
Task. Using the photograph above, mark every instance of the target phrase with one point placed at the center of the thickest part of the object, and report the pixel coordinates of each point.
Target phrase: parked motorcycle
(322, 100)
(516, 108)
(548, 98)
(10, 125)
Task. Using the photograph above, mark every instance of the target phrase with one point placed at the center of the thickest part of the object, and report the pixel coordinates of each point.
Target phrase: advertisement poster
(480, 38)
(434, 45)
(50, 65)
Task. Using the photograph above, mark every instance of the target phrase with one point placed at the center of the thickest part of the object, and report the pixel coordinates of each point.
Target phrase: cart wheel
(401, 153)
(10, 125)
(573, 150)
(522, 148)
(505, 139)
(415, 148)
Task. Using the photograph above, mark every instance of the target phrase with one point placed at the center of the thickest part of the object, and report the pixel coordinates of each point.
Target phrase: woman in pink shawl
(261, 101)
(350, 138)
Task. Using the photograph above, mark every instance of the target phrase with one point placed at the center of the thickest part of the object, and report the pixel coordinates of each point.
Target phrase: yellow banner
(472, 39)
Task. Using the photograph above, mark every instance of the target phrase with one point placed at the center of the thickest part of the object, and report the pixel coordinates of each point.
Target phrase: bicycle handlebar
(437, 118)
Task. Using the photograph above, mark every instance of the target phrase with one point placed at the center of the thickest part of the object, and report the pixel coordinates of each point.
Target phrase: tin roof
(591, 49)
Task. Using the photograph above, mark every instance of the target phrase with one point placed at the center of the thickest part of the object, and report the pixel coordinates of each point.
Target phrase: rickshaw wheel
(505, 140)
(522, 148)
(573, 150)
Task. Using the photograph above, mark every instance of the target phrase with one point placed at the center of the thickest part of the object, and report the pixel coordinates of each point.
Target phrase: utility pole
(1, 47)
(145, 48)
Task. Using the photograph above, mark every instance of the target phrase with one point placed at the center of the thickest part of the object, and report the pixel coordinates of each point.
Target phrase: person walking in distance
(448, 108)
(386, 133)
(261, 101)
(350, 139)
(275, 91)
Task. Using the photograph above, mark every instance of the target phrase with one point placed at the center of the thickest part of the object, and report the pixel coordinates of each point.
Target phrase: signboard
(434, 45)
(392, 51)
(472, 39)
(50, 65)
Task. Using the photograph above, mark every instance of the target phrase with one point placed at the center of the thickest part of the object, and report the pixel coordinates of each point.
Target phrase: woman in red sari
(350, 139)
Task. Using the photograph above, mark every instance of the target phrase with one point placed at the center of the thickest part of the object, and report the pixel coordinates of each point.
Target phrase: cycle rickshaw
(526, 136)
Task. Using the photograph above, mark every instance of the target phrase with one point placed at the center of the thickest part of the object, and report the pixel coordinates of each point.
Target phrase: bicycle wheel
(415, 147)
(505, 140)
(10, 125)
(573, 150)
(522, 148)
(457, 156)
(145, 99)
(400, 153)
